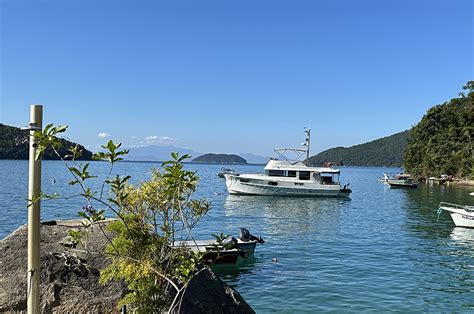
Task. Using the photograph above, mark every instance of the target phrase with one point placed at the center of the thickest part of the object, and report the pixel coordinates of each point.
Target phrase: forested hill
(442, 142)
(14, 145)
(220, 159)
(386, 151)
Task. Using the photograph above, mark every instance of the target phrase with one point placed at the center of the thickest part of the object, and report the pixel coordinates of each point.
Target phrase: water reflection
(232, 273)
(463, 238)
(286, 215)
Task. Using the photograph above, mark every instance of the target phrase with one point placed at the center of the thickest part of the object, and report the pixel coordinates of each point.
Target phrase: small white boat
(287, 177)
(462, 215)
(402, 180)
(224, 171)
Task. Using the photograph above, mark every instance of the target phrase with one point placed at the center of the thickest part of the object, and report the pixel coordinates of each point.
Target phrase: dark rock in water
(69, 278)
(206, 293)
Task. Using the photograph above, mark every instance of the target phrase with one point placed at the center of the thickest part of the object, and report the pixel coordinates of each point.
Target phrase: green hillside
(220, 159)
(386, 151)
(441, 143)
(14, 145)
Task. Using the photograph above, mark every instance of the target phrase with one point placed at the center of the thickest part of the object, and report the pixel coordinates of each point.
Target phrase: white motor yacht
(289, 178)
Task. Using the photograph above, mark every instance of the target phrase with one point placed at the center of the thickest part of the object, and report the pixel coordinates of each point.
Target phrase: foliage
(14, 145)
(152, 218)
(387, 151)
(441, 143)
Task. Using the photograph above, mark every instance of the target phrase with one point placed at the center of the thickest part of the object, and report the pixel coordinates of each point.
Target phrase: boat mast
(308, 140)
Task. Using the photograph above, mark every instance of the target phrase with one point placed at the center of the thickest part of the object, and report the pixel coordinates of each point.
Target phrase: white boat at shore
(289, 178)
(462, 215)
(402, 180)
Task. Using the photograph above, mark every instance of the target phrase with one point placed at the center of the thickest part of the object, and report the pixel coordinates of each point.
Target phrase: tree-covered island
(228, 159)
(14, 145)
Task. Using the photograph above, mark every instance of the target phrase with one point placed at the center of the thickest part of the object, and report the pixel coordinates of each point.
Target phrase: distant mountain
(254, 159)
(387, 151)
(228, 159)
(157, 153)
(14, 144)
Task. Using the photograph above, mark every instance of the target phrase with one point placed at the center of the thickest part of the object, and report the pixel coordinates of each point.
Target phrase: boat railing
(457, 206)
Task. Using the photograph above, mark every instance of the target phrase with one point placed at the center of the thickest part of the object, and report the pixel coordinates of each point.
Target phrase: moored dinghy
(226, 251)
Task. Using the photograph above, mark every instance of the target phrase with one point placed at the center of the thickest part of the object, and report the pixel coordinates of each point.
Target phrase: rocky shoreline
(69, 279)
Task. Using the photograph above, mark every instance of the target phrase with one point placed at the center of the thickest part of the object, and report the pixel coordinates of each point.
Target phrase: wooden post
(34, 190)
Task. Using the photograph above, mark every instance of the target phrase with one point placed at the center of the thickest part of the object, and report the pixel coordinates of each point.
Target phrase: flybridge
(299, 152)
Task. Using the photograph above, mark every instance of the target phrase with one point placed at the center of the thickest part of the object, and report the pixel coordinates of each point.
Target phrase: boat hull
(402, 183)
(261, 187)
(212, 256)
(460, 216)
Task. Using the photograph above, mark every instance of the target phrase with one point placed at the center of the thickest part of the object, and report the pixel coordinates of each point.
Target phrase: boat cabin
(299, 171)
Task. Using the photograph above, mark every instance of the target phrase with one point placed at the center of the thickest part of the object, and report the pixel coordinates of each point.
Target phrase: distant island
(387, 151)
(220, 159)
(14, 144)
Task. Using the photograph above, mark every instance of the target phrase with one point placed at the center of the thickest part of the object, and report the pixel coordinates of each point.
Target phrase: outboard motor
(346, 189)
(246, 236)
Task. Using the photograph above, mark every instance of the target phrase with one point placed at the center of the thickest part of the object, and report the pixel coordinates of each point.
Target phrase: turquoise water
(382, 250)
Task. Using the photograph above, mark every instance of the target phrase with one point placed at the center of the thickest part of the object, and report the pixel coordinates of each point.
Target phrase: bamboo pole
(34, 190)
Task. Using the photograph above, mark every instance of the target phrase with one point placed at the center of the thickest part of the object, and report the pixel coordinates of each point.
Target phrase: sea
(380, 250)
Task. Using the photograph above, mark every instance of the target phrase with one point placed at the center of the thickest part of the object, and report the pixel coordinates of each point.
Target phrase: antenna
(307, 143)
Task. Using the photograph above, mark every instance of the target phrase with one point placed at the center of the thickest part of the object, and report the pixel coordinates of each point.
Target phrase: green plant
(152, 219)
(441, 143)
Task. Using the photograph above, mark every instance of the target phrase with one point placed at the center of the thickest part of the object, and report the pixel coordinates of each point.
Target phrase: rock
(206, 293)
(69, 278)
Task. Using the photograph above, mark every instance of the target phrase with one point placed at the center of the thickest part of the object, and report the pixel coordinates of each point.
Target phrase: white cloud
(159, 140)
(103, 135)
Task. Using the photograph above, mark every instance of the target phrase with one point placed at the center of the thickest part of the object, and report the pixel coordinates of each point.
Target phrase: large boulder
(69, 279)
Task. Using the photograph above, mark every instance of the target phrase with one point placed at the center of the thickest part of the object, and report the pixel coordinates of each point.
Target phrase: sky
(228, 76)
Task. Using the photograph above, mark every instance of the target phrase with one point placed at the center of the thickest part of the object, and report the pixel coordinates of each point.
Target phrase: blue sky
(232, 76)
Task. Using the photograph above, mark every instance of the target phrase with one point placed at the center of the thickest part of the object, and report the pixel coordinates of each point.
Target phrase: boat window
(276, 173)
(317, 177)
(327, 178)
(304, 175)
(243, 180)
(273, 183)
(292, 173)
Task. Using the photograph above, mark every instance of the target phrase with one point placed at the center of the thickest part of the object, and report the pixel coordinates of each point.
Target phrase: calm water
(381, 250)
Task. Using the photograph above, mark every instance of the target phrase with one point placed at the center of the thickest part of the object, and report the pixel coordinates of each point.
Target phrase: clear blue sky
(233, 76)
